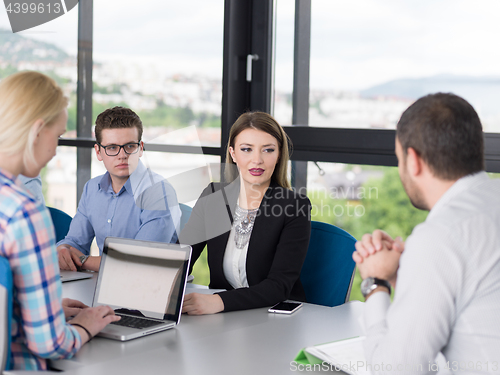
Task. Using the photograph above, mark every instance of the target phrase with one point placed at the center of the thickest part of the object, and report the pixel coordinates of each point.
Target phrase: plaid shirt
(39, 328)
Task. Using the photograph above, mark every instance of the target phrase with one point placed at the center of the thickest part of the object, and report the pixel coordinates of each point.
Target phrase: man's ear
(98, 152)
(141, 146)
(414, 163)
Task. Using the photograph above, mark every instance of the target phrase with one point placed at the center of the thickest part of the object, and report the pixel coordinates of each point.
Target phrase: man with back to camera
(128, 201)
(448, 276)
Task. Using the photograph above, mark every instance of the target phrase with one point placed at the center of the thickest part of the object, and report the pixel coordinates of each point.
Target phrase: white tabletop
(241, 342)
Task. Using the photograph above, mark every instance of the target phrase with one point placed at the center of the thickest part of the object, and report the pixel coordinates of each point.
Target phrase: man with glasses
(128, 201)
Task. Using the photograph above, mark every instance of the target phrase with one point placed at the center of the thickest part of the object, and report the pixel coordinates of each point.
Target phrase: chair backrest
(61, 221)
(5, 313)
(328, 270)
(185, 214)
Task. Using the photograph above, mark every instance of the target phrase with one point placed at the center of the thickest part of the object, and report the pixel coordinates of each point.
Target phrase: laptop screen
(143, 278)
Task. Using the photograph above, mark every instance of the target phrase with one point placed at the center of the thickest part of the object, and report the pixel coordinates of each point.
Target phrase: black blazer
(276, 251)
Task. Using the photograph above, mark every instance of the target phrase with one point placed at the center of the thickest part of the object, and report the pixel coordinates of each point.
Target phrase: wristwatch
(371, 283)
(83, 259)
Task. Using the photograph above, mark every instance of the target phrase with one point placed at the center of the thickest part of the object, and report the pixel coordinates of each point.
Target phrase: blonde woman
(256, 228)
(32, 117)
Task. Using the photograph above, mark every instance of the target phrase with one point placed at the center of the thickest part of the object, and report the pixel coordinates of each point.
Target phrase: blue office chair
(5, 313)
(328, 270)
(61, 222)
(185, 214)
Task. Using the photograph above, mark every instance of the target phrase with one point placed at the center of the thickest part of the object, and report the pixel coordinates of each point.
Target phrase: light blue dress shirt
(146, 208)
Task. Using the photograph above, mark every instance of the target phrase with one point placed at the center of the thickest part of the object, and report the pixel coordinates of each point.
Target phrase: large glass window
(283, 72)
(164, 61)
(50, 48)
(59, 180)
(371, 59)
(189, 174)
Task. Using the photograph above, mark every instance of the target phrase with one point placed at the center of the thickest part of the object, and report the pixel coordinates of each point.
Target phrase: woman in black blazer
(256, 228)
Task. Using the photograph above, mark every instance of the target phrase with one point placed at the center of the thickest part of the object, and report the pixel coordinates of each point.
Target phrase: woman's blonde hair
(266, 123)
(26, 97)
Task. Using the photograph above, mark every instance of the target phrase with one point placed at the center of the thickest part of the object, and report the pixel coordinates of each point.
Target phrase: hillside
(482, 92)
(15, 48)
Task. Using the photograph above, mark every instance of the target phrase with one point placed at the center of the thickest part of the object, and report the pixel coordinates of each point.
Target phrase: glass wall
(164, 61)
(59, 180)
(189, 174)
(50, 48)
(283, 84)
(361, 198)
(371, 59)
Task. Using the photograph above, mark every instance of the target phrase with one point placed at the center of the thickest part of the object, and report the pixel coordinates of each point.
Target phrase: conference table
(240, 342)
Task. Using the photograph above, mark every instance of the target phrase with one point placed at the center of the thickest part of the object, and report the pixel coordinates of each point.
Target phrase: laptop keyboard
(134, 322)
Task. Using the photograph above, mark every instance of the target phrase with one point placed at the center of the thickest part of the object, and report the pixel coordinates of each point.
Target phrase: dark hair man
(128, 201)
(448, 276)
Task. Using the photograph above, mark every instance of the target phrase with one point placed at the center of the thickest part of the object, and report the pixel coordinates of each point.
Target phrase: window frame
(249, 29)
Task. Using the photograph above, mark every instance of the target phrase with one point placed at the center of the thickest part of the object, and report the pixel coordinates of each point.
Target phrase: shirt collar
(105, 182)
(131, 185)
(7, 175)
(12, 180)
(461, 185)
(136, 178)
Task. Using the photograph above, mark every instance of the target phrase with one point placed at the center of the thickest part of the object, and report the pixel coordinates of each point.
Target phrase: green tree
(166, 116)
(7, 71)
(201, 271)
(386, 207)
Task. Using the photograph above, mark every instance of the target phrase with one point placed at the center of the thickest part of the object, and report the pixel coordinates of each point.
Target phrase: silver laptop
(144, 282)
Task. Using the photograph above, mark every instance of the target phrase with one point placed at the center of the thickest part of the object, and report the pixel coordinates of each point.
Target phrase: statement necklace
(243, 225)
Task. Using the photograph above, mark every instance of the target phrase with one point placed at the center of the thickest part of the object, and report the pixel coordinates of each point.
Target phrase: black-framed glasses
(113, 150)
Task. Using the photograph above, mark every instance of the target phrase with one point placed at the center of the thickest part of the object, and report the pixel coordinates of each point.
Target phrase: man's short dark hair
(117, 118)
(446, 132)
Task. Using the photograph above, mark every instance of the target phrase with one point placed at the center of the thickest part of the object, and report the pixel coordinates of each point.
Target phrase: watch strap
(373, 283)
(83, 259)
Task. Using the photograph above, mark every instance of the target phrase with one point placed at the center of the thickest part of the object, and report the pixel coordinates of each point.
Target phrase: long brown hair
(266, 123)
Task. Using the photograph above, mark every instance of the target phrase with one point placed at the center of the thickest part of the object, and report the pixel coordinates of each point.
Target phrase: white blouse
(234, 264)
(235, 260)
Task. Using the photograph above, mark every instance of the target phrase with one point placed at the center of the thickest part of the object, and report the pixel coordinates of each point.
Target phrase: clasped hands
(377, 255)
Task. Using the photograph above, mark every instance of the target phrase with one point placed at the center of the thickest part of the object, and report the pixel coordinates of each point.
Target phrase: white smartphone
(285, 307)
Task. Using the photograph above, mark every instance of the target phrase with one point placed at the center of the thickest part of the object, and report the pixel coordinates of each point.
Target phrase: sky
(355, 44)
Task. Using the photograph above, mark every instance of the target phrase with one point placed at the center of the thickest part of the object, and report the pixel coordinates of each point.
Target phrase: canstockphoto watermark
(454, 366)
(26, 14)
(354, 367)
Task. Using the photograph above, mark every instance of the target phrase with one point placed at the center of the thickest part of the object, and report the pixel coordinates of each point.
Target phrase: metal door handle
(250, 58)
